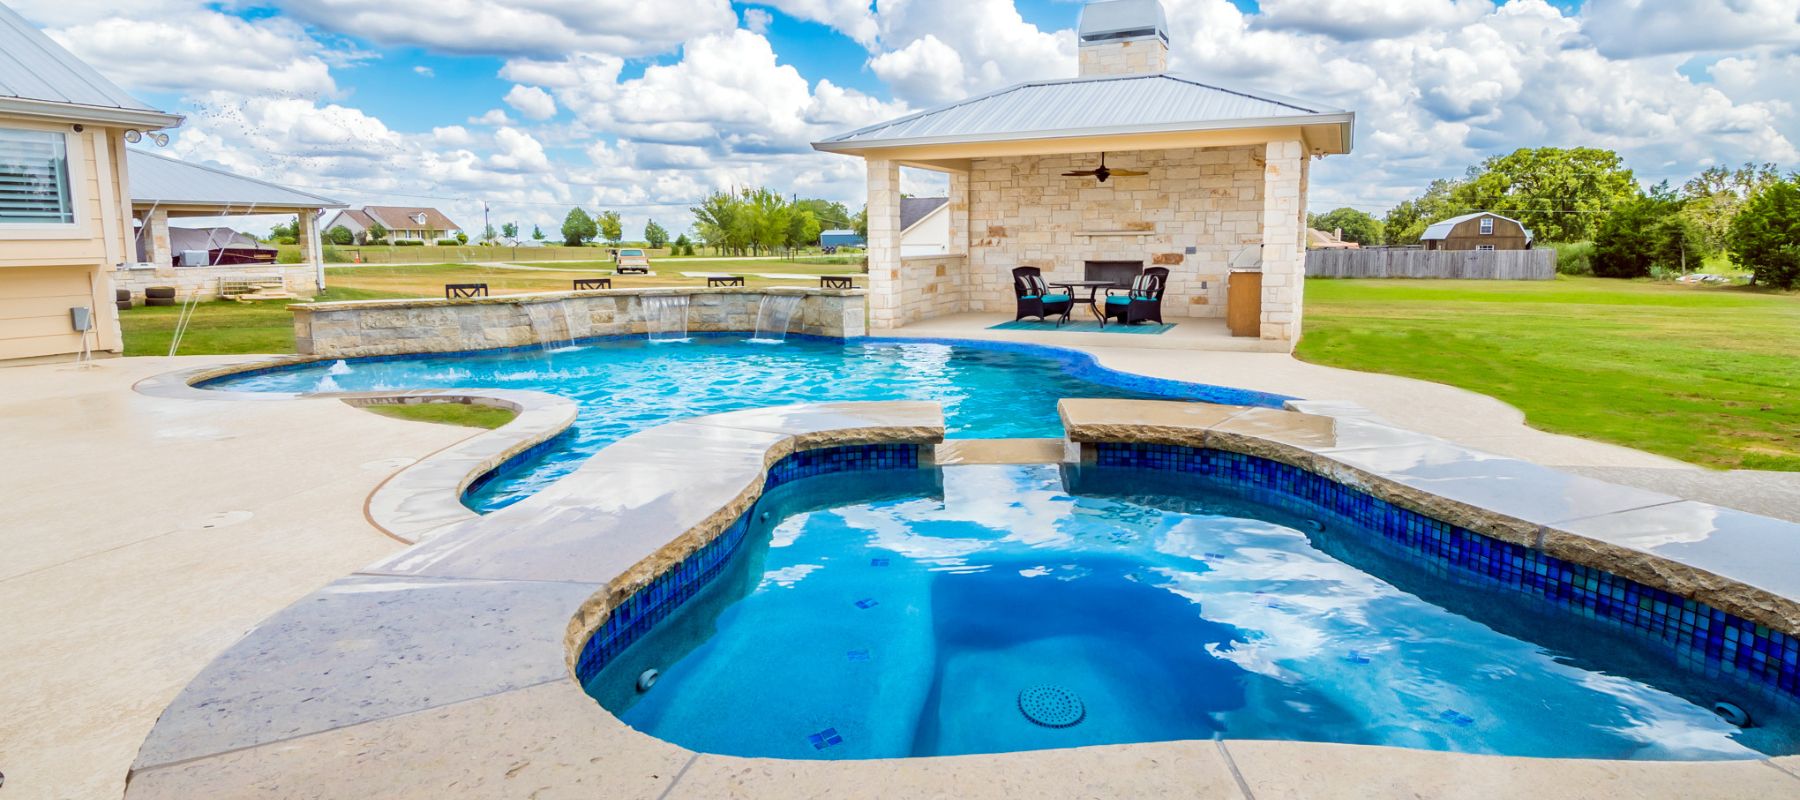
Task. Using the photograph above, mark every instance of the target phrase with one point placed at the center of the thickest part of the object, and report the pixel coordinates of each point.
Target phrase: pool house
(1198, 179)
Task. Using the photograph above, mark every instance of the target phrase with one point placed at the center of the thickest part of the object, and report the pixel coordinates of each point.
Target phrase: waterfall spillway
(544, 329)
(666, 317)
(773, 315)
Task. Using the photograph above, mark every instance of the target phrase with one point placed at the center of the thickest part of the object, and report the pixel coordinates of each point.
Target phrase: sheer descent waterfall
(666, 317)
(772, 317)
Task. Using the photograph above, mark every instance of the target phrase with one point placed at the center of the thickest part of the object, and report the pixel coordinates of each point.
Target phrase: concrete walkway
(143, 536)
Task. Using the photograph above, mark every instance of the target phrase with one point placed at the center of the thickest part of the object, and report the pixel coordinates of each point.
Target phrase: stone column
(962, 282)
(156, 243)
(311, 251)
(886, 289)
(1284, 182)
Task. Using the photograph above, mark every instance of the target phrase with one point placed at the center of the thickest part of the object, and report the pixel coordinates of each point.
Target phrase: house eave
(1346, 121)
(142, 119)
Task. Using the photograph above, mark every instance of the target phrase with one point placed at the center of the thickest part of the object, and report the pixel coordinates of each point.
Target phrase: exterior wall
(390, 327)
(1022, 211)
(888, 289)
(1124, 57)
(929, 236)
(934, 287)
(1507, 235)
(299, 277)
(47, 269)
(1283, 239)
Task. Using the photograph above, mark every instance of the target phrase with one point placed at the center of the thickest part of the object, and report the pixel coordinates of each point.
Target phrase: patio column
(1284, 192)
(884, 244)
(156, 243)
(959, 213)
(311, 251)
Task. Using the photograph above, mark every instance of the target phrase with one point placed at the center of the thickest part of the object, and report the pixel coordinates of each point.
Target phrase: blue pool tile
(878, 562)
(1456, 718)
(867, 602)
(857, 655)
(824, 739)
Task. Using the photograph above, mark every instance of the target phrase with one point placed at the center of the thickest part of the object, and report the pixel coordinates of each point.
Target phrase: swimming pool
(998, 608)
(627, 384)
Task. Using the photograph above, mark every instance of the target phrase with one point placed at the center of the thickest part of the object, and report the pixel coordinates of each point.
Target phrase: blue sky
(537, 105)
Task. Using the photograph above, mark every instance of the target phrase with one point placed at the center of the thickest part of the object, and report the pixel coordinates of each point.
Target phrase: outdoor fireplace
(1121, 273)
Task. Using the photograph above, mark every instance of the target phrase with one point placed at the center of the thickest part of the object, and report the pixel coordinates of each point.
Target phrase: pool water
(928, 613)
(623, 386)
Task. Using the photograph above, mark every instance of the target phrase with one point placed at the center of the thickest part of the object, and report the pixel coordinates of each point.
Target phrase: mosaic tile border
(639, 613)
(1703, 638)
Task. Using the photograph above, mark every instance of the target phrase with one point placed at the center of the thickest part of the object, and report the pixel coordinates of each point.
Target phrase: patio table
(1091, 300)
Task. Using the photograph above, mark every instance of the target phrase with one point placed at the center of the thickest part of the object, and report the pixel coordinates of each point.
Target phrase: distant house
(402, 223)
(1328, 240)
(840, 238)
(1482, 230)
(924, 226)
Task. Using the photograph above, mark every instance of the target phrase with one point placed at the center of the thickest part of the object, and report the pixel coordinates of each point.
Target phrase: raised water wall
(392, 327)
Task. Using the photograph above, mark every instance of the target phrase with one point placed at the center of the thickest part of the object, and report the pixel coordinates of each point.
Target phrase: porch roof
(186, 189)
(1101, 106)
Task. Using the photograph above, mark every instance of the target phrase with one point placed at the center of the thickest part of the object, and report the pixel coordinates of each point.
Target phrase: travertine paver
(129, 561)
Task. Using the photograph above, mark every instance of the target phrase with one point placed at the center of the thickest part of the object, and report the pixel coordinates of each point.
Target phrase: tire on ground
(124, 305)
(159, 301)
(167, 292)
(122, 294)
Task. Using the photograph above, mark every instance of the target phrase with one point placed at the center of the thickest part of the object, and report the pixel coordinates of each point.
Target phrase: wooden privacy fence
(1377, 262)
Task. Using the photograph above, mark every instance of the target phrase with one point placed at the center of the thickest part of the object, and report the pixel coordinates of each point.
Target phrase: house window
(1485, 247)
(34, 178)
(1487, 226)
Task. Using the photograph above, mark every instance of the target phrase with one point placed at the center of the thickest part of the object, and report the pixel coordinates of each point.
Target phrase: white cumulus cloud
(531, 101)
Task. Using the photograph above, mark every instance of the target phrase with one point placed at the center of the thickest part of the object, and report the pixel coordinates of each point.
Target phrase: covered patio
(1223, 187)
(164, 188)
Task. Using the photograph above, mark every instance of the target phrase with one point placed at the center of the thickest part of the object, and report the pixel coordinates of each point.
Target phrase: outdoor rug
(1142, 328)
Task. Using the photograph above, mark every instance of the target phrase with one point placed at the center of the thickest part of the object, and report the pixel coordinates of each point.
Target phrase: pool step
(1003, 451)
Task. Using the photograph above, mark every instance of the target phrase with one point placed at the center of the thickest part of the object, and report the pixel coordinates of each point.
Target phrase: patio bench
(724, 280)
(835, 282)
(453, 291)
(584, 284)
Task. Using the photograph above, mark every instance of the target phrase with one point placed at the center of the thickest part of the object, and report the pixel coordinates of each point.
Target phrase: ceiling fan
(1102, 172)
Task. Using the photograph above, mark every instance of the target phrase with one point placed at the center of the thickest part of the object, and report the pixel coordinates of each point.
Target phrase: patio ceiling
(1115, 112)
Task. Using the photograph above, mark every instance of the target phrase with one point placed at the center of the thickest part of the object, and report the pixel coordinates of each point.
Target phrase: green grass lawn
(464, 414)
(222, 327)
(1706, 375)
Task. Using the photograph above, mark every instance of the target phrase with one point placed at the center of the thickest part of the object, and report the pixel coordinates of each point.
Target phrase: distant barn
(840, 238)
(1482, 230)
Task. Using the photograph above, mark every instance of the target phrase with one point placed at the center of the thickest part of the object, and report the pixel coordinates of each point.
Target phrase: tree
(862, 222)
(578, 228)
(1358, 226)
(377, 233)
(654, 235)
(1714, 196)
(830, 214)
(803, 228)
(286, 232)
(611, 227)
(463, 238)
(682, 246)
(1406, 222)
(488, 234)
(537, 233)
(1765, 234)
(1646, 235)
(1561, 194)
(340, 235)
(510, 230)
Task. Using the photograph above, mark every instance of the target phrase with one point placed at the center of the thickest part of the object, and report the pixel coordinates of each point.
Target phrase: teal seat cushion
(1028, 297)
(1118, 301)
(1056, 298)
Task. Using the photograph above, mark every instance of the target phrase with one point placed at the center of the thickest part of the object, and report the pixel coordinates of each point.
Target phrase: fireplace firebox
(1121, 273)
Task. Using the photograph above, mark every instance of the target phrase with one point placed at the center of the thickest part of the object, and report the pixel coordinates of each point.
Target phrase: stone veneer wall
(932, 286)
(1022, 211)
(1141, 56)
(392, 327)
(300, 278)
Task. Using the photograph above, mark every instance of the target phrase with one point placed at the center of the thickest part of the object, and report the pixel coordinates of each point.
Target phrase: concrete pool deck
(118, 592)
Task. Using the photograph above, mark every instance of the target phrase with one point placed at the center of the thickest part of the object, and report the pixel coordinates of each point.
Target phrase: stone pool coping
(444, 669)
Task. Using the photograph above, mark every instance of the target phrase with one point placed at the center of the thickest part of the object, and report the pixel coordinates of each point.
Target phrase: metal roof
(39, 77)
(1091, 106)
(1441, 230)
(160, 180)
(1116, 19)
(913, 209)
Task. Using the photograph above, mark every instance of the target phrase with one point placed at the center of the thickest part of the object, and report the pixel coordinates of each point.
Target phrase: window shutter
(34, 178)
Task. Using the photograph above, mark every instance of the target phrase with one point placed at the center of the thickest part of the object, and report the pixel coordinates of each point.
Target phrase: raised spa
(978, 609)
(627, 384)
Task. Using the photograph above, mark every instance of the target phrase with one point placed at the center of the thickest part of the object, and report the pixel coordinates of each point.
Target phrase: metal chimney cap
(1111, 20)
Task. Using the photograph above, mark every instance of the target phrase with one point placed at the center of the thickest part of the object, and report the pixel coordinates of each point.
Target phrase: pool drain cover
(1051, 706)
